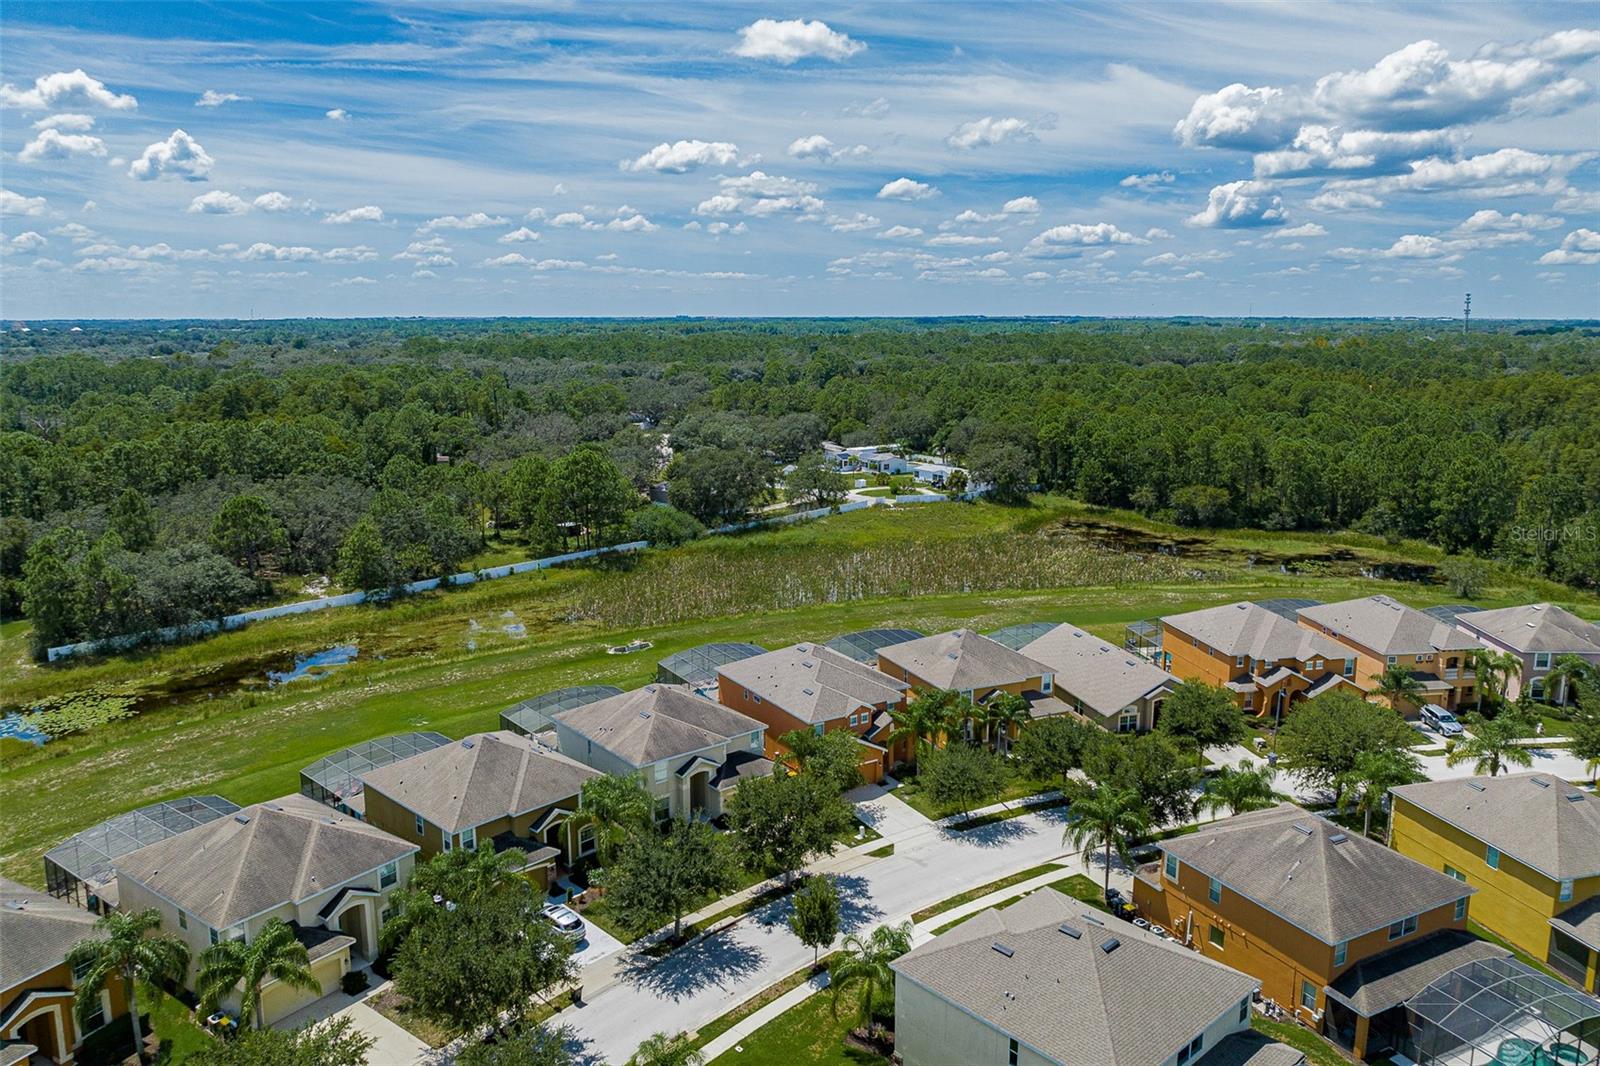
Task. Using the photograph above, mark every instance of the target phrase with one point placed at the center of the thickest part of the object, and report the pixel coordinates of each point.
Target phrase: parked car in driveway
(1440, 721)
(566, 920)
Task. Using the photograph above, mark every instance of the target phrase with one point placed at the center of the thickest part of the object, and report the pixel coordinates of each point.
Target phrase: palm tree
(1238, 789)
(230, 964)
(1001, 712)
(1373, 775)
(1569, 671)
(126, 950)
(1491, 743)
(613, 804)
(1494, 671)
(866, 960)
(1109, 818)
(1400, 686)
(924, 718)
(664, 1049)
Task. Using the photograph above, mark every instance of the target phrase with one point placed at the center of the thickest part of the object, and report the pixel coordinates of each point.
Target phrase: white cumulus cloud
(212, 98)
(367, 213)
(337, 114)
(794, 39)
(70, 122)
(989, 131)
(679, 157)
(1240, 205)
(817, 146)
(218, 202)
(53, 144)
(476, 220)
(180, 156)
(907, 189)
(1077, 238)
(517, 236)
(67, 87)
(1581, 247)
(1148, 182)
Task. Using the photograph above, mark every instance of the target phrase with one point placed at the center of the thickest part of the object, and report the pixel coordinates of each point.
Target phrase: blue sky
(230, 159)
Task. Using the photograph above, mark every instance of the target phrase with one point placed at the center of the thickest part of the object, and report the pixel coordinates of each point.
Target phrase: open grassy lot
(207, 721)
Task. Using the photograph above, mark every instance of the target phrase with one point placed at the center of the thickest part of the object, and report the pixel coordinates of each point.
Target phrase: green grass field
(208, 723)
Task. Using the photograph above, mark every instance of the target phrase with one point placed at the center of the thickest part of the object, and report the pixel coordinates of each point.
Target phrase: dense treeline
(176, 472)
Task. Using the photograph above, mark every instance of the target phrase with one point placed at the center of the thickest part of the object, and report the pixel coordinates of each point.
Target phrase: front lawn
(806, 1034)
(174, 1025)
(1018, 786)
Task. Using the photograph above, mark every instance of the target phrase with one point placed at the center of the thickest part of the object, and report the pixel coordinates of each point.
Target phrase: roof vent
(467, 744)
(951, 655)
(802, 648)
(644, 714)
(1338, 838)
(1575, 797)
(1108, 946)
(808, 664)
(1475, 786)
(808, 692)
(242, 819)
(1076, 934)
(1002, 949)
(1093, 920)
(1302, 828)
(1539, 782)
(1241, 606)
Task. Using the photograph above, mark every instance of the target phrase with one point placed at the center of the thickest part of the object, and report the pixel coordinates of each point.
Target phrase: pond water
(16, 727)
(315, 665)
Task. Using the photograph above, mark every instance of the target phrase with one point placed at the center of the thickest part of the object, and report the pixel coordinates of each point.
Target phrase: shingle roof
(36, 931)
(282, 851)
(962, 659)
(1536, 627)
(1537, 819)
(1106, 678)
(1310, 872)
(1067, 996)
(1250, 1048)
(1581, 920)
(480, 778)
(1253, 631)
(1388, 627)
(813, 683)
(656, 722)
(1379, 982)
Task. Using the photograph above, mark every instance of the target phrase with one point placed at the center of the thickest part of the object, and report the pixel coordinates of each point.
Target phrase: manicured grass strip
(881, 853)
(1318, 1052)
(983, 890)
(1015, 812)
(1522, 956)
(1077, 886)
(806, 1034)
(721, 1024)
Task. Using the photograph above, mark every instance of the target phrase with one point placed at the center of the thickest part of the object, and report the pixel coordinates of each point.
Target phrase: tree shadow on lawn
(994, 835)
(714, 960)
(856, 909)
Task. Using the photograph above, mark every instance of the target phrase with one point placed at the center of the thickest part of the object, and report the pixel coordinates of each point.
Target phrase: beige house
(38, 989)
(501, 790)
(1109, 686)
(1537, 634)
(1050, 980)
(327, 874)
(691, 752)
(1383, 632)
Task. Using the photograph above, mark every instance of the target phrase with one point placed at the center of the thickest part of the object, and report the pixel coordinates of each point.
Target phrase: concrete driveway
(596, 945)
(889, 816)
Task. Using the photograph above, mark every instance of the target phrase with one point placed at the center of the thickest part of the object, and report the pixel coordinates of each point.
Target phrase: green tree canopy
(660, 877)
(781, 822)
(1201, 716)
(815, 918)
(1322, 738)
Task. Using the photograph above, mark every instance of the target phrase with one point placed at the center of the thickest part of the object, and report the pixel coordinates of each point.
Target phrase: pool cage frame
(1501, 1011)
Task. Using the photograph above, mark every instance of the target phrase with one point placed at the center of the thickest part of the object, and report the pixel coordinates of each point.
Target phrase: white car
(566, 921)
(1440, 721)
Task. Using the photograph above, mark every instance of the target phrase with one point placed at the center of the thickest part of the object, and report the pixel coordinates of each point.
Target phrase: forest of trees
(160, 473)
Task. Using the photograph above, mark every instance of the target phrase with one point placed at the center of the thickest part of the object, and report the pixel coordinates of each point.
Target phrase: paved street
(694, 985)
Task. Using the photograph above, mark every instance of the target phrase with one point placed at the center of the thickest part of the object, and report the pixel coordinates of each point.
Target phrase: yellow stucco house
(1530, 844)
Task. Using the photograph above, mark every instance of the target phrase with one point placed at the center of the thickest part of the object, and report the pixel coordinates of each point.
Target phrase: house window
(1404, 927)
(389, 875)
(1541, 660)
(214, 937)
(1047, 683)
(663, 809)
(469, 839)
(385, 915)
(1451, 871)
(586, 840)
(1461, 908)
(1215, 894)
(1492, 857)
(419, 825)
(1250, 701)
(1217, 937)
(1238, 661)
(1172, 867)
(1011, 1051)
(183, 920)
(1536, 688)
(449, 841)
(1391, 660)
(852, 719)
(819, 728)
(661, 772)
(1566, 890)
(1349, 668)
(1341, 952)
(94, 1021)
(80, 971)
(1308, 995)
(1244, 1009)
(1129, 721)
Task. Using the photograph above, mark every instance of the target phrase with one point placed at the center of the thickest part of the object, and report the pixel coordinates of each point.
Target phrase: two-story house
(812, 687)
(500, 790)
(1530, 845)
(1050, 980)
(971, 664)
(38, 989)
(691, 752)
(1537, 634)
(327, 874)
(1339, 929)
(1106, 685)
(1267, 661)
(1382, 632)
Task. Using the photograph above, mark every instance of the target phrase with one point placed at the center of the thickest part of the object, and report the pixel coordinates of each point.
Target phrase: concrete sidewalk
(745, 1026)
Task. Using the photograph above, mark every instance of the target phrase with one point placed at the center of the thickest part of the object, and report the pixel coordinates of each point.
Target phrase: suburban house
(1051, 980)
(38, 1014)
(972, 664)
(883, 459)
(500, 790)
(327, 874)
(1266, 660)
(1338, 929)
(1530, 844)
(1382, 632)
(812, 687)
(1538, 634)
(690, 751)
(1107, 685)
